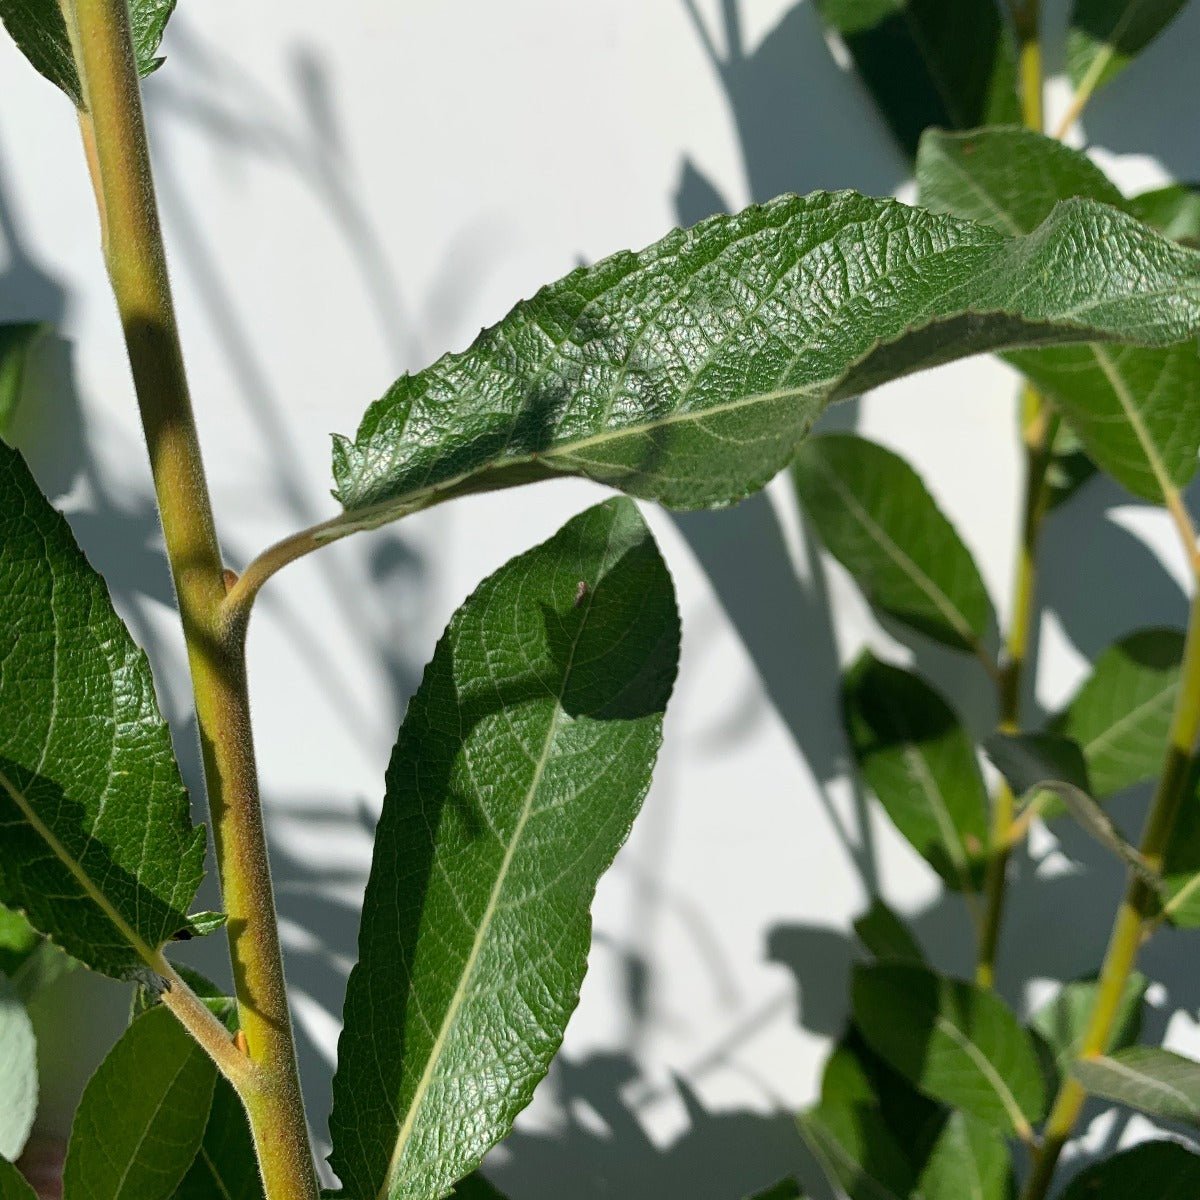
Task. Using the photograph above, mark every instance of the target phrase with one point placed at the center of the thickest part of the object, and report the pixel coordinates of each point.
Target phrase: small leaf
(1121, 715)
(1105, 36)
(98, 850)
(523, 759)
(16, 342)
(969, 1161)
(856, 1153)
(690, 372)
(201, 924)
(958, 1043)
(1158, 1082)
(142, 1115)
(18, 1073)
(919, 762)
(1173, 210)
(18, 940)
(877, 518)
(1151, 1171)
(949, 63)
(886, 936)
(38, 28)
(13, 1185)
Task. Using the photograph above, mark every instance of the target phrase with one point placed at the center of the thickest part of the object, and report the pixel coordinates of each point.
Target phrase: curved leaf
(1173, 210)
(689, 373)
(142, 1115)
(18, 1073)
(523, 759)
(920, 763)
(1151, 1171)
(886, 936)
(856, 1152)
(1105, 36)
(1156, 1081)
(969, 1161)
(956, 1042)
(879, 521)
(96, 846)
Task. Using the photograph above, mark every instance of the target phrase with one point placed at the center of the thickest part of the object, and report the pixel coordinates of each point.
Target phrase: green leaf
(18, 1073)
(1121, 716)
(856, 1152)
(877, 518)
(1151, 1171)
(1173, 210)
(786, 1189)
(225, 1165)
(474, 1187)
(38, 28)
(523, 759)
(97, 848)
(1136, 410)
(969, 1161)
(142, 1115)
(958, 1043)
(1181, 864)
(13, 1185)
(885, 935)
(16, 342)
(1069, 467)
(919, 761)
(18, 940)
(1158, 1082)
(949, 63)
(1105, 36)
(690, 372)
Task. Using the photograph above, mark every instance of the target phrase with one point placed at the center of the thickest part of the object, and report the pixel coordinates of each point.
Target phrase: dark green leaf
(1173, 210)
(474, 1187)
(1069, 467)
(97, 847)
(16, 341)
(1122, 714)
(142, 1115)
(856, 1152)
(956, 1042)
(1106, 35)
(225, 1166)
(787, 1189)
(949, 63)
(885, 935)
(13, 1185)
(523, 759)
(969, 1161)
(1156, 1081)
(877, 518)
(1151, 1171)
(18, 1072)
(919, 761)
(690, 372)
(1181, 866)
(38, 28)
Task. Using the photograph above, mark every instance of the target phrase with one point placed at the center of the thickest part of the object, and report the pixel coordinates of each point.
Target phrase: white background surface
(350, 190)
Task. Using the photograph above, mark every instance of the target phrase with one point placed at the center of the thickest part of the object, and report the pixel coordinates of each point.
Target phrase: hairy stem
(115, 142)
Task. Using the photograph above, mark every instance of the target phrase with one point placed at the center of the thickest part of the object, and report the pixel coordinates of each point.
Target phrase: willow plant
(689, 374)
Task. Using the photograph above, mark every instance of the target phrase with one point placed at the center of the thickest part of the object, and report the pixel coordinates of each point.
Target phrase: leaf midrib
(1147, 1081)
(1015, 1113)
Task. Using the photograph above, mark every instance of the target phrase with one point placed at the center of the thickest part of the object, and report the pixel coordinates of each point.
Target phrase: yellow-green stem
(115, 142)
(1138, 910)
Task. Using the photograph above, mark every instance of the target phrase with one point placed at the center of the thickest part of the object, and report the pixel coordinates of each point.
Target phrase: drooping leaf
(12, 1183)
(1151, 1171)
(856, 1152)
(1173, 210)
(18, 1073)
(142, 1116)
(920, 763)
(689, 373)
(16, 341)
(885, 935)
(96, 846)
(969, 1161)
(1105, 36)
(1156, 1081)
(39, 30)
(522, 761)
(1122, 714)
(949, 63)
(958, 1043)
(1136, 410)
(880, 522)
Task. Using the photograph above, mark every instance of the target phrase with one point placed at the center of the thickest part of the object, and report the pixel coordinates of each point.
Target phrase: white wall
(349, 190)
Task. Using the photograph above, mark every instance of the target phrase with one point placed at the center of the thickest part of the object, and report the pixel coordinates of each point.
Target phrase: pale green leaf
(958, 1043)
(1105, 36)
(1173, 210)
(12, 1183)
(949, 63)
(689, 373)
(96, 846)
(920, 763)
(16, 342)
(885, 935)
(1151, 1171)
(1181, 865)
(878, 519)
(1156, 1081)
(18, 1073)
(969, 1161)
(142, 1116)
(523, 759)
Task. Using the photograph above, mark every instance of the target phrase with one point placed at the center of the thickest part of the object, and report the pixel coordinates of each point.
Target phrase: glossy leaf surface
(1151, 1171)
(688, 373)
(522, 761)
(18, 1073)
(878, 519)
(920, 763)
(96, 846)
(1105, 36)
(958, 1043)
